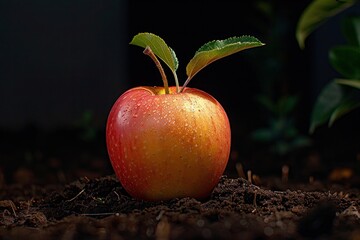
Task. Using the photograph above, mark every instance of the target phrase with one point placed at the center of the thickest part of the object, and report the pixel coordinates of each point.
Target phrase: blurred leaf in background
(339, 96)
(278, 130)
(281, 134)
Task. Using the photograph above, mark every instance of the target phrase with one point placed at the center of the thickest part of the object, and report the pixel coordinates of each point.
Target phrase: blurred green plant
(86, 125)
(340, 95)
(281, 134)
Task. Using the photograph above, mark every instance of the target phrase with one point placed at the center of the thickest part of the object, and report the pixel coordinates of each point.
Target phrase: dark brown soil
(100, 208)
(44, 194)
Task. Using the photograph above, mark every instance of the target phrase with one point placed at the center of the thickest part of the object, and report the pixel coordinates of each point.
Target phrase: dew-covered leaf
(218, 49)
(159, 48)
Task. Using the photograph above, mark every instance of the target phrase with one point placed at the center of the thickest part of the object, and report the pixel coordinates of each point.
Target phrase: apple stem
(151, 54)
(185, 84)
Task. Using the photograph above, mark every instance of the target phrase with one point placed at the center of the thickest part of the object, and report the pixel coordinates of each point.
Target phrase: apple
(171, 142)
(164, 146)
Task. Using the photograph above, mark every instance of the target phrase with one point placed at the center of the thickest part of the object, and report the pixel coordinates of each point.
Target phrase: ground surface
(99, 208)
(58, 186)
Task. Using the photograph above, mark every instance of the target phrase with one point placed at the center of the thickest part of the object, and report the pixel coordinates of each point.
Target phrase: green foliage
(86, 125)
(317, 13)
(326, 103)
(351, 30)
(161, 50)
(351, 82)
(218, 49)
(158, 46)
(281, 134)
(278, 133)
(206, 54)
(346, 60)
(339, 96)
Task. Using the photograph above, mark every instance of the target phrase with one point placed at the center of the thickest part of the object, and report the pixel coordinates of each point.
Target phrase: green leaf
(343, 108)
(286, 104)
(158, 46)
(327, 101)
(301, 141)
(266, 102)
(283, 106)
(217, 49)
(176, 62)
(351, 29)
(349, 82)
(263, 135)
(346, 60)
(315, 14)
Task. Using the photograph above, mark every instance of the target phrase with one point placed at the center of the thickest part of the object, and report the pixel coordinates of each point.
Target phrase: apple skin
(165, 146)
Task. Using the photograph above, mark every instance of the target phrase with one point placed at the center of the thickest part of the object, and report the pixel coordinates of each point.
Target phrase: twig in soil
(26, 205)
(285, 173)
(351, 211)
(249, 176)
(311, 180)
(77, 195)
(254, 201)
(161, 213)
(118, 197)
(8, 204)
(257, 180)
(37, 218)
(240, 170)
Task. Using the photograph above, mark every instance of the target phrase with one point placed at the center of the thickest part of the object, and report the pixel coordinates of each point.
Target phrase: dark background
(64, 63)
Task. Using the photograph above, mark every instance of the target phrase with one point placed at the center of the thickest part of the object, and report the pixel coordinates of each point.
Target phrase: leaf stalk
(185, 84)
(150, 53)
(176, 82)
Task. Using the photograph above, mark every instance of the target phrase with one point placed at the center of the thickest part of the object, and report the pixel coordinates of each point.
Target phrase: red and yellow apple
(164, 146)
(171, 142)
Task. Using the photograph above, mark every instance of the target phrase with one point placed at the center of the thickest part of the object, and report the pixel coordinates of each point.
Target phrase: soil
(237, 209)
(97, 207)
